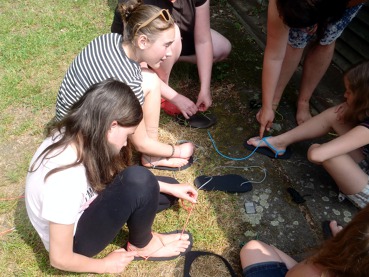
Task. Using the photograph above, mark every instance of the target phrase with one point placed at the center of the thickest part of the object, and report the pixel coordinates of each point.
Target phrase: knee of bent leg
(221, 51)
(140, 179)
(313, 154)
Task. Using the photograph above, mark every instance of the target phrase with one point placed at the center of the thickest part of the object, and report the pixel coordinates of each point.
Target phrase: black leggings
(133, 198)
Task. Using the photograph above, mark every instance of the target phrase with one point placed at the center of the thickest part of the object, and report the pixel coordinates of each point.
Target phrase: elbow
(59, 263)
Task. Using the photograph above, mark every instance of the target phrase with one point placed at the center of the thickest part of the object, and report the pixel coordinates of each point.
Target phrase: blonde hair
(134, 13)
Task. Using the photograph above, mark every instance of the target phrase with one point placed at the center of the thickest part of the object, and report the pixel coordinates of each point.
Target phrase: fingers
(261, 131)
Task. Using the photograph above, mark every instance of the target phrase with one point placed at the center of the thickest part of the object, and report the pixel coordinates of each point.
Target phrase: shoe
(157, 259)
(229, 183)
(161, 167)
(200, 120)
(169, 108)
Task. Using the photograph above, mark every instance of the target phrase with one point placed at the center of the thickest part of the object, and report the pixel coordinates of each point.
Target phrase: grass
(39, 39)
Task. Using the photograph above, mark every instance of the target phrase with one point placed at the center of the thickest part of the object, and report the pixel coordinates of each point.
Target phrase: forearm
(165, 188)
(270, 76)
(205, 64)
(78, 263)
(167, 92)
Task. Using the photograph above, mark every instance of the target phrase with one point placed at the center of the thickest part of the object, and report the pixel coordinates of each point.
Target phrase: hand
(186, 150)
(204, 101)
(340, 110)
(185, 105)
(116, 261)
(184, 191)
(265, 117)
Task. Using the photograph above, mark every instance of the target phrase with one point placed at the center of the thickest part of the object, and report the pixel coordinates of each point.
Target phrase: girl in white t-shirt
(80, 190)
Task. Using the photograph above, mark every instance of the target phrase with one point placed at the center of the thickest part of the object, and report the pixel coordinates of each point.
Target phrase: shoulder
(304, 269)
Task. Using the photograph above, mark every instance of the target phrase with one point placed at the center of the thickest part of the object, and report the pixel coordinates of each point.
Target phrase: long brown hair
(347, 254)
(358, 81)
(134, 13)
(86, 127)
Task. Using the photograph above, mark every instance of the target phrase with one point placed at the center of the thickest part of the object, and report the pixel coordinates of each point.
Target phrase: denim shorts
(361, 199)
(299, 37)
(266, 269)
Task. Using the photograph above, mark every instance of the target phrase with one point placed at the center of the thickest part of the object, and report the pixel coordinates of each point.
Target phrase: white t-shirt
(64, 195)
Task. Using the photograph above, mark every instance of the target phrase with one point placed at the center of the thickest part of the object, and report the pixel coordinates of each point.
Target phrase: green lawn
(38, 41)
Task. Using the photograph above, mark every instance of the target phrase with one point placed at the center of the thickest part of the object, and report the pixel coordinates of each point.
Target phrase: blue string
(228, 157)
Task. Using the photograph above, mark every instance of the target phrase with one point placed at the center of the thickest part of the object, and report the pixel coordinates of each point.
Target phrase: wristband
(173, 150)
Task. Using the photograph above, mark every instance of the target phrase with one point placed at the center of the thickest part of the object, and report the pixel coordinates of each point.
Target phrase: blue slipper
(269, 151)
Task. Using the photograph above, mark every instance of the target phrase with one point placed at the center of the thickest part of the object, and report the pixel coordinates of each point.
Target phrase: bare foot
(277, 147)
(335, 228)
(157, 161)
(163, 245)
(303, 113)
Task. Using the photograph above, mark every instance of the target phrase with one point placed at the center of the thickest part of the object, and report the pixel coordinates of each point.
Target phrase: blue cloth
(299, 37)
(266, 269)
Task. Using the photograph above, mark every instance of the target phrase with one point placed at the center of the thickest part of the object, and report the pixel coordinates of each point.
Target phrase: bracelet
(173, 150)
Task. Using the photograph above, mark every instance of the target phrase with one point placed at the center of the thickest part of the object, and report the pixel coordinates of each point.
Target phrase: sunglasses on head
(163, 13)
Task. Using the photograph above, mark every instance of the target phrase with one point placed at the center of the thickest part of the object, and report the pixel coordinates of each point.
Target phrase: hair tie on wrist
(173, 150)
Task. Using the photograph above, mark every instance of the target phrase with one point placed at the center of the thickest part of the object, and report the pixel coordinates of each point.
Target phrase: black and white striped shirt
(101, 59)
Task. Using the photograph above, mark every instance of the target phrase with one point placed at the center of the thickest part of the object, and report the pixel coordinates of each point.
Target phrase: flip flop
(268, 150)
(157, 259)
(228, 183)
(199, 120)
(161, 167)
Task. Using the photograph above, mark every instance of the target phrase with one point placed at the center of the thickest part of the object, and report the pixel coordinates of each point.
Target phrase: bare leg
(257, 252)
(349, 177)
(151, 106)
(145, 138)
(317, 126)
(316, 63)
(291, 61)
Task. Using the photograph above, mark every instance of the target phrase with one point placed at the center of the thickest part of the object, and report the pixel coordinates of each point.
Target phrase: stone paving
(295, 228)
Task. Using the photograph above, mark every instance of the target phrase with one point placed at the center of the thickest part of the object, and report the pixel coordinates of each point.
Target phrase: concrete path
(295, 228)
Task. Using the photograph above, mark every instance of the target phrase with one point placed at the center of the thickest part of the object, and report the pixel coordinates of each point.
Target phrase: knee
(140, 179)
(313, 154)
(251, 245)
(221, 52)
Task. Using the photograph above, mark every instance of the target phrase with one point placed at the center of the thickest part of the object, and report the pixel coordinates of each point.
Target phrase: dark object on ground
(199, 120)
(228, 183)
(296, 196)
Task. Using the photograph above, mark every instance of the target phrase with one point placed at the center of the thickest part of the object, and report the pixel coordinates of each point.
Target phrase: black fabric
(199, 120)
(183, 12)
(191, 256)
(133, 198)
(228, 183)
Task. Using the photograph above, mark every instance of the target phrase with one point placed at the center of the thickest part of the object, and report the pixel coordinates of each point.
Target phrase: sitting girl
(149, 33)
(80, 192)
(345, 157)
